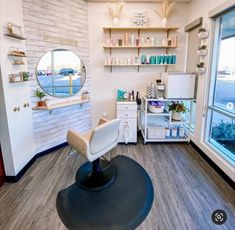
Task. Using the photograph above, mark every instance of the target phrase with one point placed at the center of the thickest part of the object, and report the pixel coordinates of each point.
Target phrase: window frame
(209, 105)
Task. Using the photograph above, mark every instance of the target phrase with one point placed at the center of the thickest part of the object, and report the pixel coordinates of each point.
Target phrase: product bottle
(161, 59)
(166, 59)
(152, 41)
(138, 100)
(132, 40)
(170, 59)
(137, 42)
(173, 58)
(148, 41)
(142, 41)
(126, 39)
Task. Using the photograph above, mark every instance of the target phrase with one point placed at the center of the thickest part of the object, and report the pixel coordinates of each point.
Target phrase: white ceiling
(179, 1)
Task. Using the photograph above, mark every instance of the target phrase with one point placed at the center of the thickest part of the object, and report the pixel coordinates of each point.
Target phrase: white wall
(198, 8)
(26, 133)
(104, 83)
(16, 127)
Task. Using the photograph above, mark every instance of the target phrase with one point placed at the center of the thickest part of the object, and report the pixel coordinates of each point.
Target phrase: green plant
(39, 94)
(25, 76)
(202, 30)
(203, 47)
(178, 107)
(200, 65)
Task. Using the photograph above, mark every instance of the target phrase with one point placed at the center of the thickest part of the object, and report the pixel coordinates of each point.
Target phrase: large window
(220, 133)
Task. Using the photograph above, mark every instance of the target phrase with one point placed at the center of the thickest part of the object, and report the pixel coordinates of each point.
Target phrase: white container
(176, 116)
(181, 132)
(156, 109)
(174, 132)
(203, 35)
(201, 70)
(178, 85)
(167, 132)
(155, 132)
(202, 52)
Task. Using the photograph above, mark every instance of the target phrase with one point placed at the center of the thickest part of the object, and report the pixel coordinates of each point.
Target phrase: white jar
(174, 132)
(167, 132)
(181, 132)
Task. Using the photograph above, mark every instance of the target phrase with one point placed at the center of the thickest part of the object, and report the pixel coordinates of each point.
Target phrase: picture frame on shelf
(14, 78)
(14, 29)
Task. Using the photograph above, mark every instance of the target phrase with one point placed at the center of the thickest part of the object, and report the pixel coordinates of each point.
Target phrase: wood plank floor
(187, 190)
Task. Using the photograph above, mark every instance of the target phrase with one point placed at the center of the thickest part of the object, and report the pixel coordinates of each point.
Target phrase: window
(220, 132)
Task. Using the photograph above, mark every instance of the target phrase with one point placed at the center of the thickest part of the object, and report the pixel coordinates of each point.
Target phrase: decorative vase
(164, 22)
(115, 21)
(176, 116)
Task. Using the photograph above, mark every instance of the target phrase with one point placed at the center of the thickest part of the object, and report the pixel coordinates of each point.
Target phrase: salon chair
(96, 174)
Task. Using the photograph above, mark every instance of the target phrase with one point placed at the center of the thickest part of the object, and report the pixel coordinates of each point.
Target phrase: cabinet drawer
(126, 114)
(126, 107)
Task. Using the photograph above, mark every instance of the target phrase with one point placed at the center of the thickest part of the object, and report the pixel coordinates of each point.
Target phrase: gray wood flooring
(187, 190)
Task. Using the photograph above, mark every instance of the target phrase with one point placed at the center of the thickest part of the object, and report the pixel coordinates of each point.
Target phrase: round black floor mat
(122, 206)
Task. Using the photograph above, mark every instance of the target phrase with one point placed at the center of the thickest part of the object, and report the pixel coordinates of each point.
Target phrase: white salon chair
(95, 174)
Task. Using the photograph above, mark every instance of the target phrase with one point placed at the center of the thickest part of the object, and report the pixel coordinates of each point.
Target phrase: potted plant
(203, 33)
(40, 95)
(177, 108)
(25, 76)
(201, 67)
(85, 95)
(202, 51)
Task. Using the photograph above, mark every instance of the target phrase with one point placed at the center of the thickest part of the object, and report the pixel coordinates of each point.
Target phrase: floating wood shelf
(167, 99)
(137, 47)
(139, 65)
(173, 122)
(61, 105)
(16, 36)
(16, 55)
(172, 28)
(18, 63)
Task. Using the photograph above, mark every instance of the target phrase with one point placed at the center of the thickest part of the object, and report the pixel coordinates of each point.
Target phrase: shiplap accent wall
(68, 20)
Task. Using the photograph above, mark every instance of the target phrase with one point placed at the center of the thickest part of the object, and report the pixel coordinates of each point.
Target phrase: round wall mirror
(61, 73)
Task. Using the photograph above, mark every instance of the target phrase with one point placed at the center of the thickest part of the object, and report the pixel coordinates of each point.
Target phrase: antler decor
(166, 9)
(115, 13)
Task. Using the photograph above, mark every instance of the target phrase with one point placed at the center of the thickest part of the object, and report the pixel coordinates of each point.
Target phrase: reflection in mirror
(61, 73)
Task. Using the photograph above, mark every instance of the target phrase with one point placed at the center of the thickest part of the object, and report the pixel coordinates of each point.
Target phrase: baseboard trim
(219, 171)
(16, 178)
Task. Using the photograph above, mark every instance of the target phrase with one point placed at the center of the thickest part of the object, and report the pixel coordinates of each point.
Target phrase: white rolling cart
(155, 127)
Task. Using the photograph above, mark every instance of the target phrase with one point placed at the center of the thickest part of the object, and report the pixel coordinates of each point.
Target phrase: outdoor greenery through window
(221, 110)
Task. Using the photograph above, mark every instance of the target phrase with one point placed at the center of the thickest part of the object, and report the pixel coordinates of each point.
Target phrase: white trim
(186, 51)
(221, 8)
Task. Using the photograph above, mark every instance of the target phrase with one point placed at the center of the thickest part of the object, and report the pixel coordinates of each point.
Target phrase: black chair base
(96, 175)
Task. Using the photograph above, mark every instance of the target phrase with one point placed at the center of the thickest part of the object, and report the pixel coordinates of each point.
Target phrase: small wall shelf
(61, 105)
(138, 65)
(138, 47)
(16, 36)
(16, 55)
